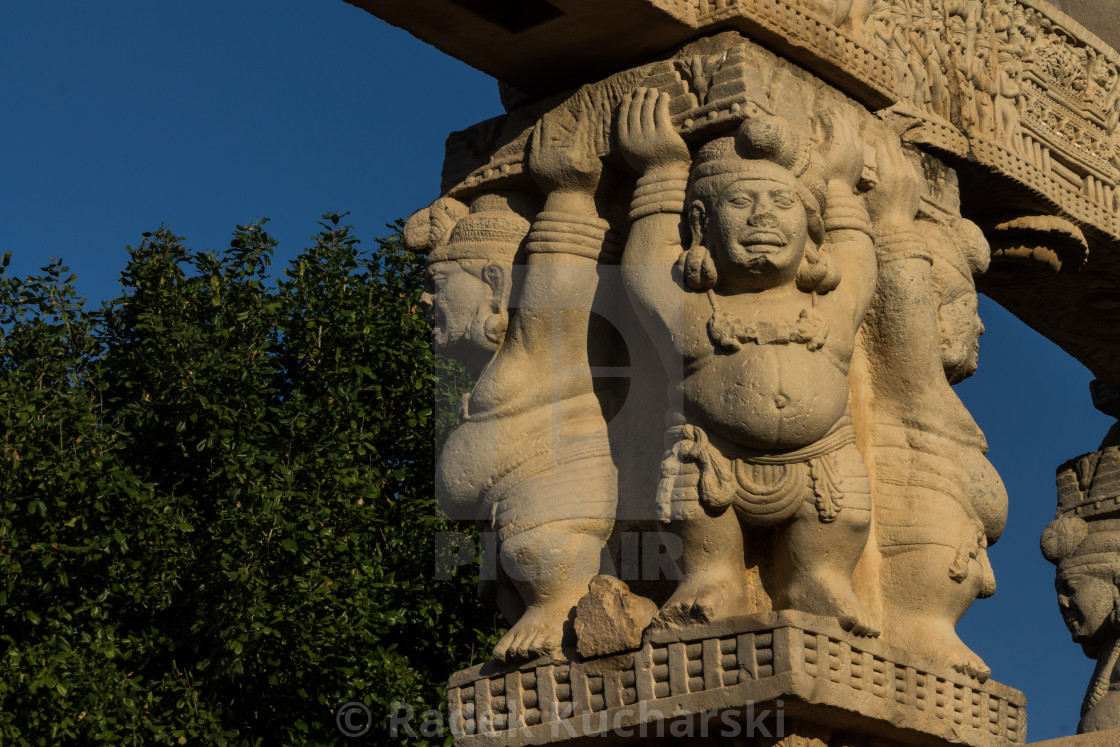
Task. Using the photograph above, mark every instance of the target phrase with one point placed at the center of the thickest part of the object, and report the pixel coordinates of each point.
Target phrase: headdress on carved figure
(1085, 535)
(429, 227)
(718, 162)
(960, 252)
(492, 229)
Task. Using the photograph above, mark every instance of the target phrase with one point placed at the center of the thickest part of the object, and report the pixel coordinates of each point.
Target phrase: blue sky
(116, 117)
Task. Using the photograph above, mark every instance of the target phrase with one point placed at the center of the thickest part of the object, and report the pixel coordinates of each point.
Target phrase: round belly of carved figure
(468, 460)
(767, 397)
(480, 455)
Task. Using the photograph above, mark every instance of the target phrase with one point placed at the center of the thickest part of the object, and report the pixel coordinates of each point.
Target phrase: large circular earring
(494, 328)
(700, 268)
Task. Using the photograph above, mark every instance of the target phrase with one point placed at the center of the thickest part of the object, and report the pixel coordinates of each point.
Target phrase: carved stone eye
(783, 200)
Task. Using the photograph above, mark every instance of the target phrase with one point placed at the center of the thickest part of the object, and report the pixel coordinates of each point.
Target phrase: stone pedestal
(1109, 738)
(763, 679)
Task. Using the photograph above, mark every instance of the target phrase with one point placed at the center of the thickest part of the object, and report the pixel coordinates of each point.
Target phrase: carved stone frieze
(1021, 96)
(711, 680)
(1018, 87)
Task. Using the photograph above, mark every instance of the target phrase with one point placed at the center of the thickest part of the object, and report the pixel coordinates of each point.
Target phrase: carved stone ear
(697, 220)
(1114, 618)
(497, 277)
(494, 327)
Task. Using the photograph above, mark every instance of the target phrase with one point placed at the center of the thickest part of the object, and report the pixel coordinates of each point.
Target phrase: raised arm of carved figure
(905, 331)
(847, 226)
(564, 247)
(893, 202)
(652, 146)
(564, 166)
(567, 235)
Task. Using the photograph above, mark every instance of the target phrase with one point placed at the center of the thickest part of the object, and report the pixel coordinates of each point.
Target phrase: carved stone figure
(757, 320)
(531, 459)
(1083, 542)
(1008, 99)
(939, 503)
(983, 85)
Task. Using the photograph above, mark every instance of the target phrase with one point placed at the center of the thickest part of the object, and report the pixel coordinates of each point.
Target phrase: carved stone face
(959, 329)
(1087, 603)
(756, 228)
(458, 301)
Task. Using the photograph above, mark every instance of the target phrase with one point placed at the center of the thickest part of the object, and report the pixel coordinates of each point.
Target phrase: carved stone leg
(815, 558)
(550, 566)
(713, 583)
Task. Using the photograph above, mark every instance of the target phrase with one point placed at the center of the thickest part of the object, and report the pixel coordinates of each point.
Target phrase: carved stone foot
(831, 595)
(715, 596)
(539, 631)
(939, 640)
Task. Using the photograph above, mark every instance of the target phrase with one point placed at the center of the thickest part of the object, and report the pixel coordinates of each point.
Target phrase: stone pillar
(716, 269)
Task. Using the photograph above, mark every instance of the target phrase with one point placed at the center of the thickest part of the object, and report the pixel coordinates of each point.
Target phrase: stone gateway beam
(716, 271)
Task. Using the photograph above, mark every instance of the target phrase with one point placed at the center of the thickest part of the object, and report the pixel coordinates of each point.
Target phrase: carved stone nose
(763, 217)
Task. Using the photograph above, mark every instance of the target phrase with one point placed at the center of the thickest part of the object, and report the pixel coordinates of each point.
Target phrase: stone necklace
(731, 333)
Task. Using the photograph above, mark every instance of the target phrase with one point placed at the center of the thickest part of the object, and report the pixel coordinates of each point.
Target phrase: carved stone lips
(764, 238)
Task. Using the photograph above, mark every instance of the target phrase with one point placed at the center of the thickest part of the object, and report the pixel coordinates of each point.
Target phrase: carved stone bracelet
(568, 233)
(901, 244)
(658, 193)
(846, 211)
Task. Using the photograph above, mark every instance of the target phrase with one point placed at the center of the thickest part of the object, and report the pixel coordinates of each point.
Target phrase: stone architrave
(725, 263)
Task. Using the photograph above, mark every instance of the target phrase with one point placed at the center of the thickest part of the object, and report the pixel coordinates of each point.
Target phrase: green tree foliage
(216, 514)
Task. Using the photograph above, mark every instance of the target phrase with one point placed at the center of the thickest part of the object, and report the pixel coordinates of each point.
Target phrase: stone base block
(745, 681)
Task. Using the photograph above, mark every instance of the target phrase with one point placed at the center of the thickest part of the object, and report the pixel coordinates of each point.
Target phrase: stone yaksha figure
(1084, 543)
(939, 503)
(755, 322)
(530, 461)
(471, 253)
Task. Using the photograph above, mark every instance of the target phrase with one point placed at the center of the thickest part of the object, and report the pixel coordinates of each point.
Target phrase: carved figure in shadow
(939, 503)
(1084, 543)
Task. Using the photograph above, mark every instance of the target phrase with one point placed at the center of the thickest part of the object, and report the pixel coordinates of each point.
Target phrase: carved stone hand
(894, 199)
(646, 134)
(561, 158)
(841, 146)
